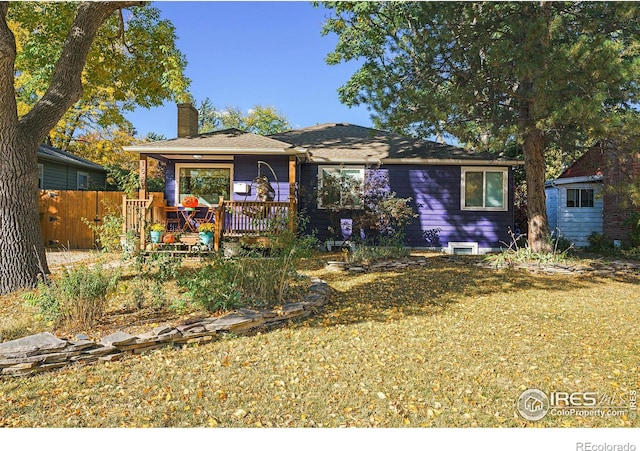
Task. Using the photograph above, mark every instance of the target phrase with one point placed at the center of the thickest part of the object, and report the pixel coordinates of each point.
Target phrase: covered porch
(242, 183)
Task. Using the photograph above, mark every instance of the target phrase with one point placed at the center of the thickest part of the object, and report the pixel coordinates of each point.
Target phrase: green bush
(598, 243)
(78, 297)
(390, 247)
(633, 253)
(259, 277)
(108, 231)
(158, 265)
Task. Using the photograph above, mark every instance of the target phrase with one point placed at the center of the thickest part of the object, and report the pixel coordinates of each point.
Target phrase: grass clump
(518, 252)
(78, 296)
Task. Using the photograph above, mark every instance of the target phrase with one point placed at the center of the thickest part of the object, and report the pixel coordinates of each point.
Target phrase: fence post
(292, 214)
(124, 214)
(219, 225)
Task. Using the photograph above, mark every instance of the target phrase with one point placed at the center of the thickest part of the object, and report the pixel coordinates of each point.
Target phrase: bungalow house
(464, 199)
(60, 170)
(584, 200)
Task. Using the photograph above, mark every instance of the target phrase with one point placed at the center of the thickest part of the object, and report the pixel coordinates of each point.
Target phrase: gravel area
(58, 259)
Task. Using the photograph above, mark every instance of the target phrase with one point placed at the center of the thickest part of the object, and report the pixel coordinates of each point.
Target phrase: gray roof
(229, 140)
(51, 153)
(335, 143)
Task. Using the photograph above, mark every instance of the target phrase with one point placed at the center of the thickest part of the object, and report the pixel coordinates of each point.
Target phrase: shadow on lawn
(430, 290)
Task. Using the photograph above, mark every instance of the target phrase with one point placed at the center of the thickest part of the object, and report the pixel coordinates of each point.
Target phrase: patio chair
(172, 219)
(209, 216)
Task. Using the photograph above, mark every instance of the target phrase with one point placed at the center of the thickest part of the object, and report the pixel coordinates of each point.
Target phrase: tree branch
(65, 88)
(7, 62)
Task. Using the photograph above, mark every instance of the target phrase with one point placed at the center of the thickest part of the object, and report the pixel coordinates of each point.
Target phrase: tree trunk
(534, 167)
(22, 256)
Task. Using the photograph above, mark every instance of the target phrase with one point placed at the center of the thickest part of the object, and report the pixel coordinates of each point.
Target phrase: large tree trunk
(22, 255)
(534, 167)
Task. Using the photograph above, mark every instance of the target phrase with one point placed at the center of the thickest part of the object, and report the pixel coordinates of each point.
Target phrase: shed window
(83, 181)
(580, 198)
(340, 186)
(484, 189)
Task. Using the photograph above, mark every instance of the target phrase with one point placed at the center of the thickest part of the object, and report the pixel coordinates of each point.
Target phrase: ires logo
(534, 404)
(577, 399)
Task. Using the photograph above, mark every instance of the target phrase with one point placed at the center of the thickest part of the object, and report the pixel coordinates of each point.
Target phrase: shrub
(159, 265)
(633, 253)
(78, 297)
(390, 247)
(598, 243)
(108, 231)
(251, 278)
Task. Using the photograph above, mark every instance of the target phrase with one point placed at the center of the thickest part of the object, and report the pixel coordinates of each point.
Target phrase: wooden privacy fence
(61, 214)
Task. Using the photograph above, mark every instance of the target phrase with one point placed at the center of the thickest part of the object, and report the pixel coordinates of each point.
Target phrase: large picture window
(340, 186)
(206, 182)
(484, 189)
(580, 198)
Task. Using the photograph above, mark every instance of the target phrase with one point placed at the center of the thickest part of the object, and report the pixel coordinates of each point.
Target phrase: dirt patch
(60, 259)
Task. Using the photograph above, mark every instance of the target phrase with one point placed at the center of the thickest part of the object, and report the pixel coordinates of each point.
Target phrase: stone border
(45, 352)
(600, 269)
(381, 265)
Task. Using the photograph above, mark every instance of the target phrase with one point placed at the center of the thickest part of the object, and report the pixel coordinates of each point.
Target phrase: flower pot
(169, 238)
(206, 237)
(156, 236)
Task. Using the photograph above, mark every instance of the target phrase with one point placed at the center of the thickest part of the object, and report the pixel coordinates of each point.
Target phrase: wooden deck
(231, 219)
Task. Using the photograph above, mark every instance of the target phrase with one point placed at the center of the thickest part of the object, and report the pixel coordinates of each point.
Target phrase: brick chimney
(187, 120)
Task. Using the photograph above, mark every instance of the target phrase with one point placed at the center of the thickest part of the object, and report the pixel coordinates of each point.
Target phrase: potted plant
(190, 202)
(156, 231)
(205, 231)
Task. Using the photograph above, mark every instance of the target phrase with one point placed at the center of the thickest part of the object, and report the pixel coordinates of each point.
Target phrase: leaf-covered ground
(449, 345)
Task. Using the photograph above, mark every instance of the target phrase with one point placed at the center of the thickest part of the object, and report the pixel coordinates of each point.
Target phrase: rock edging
(45, 352)
(381, 265)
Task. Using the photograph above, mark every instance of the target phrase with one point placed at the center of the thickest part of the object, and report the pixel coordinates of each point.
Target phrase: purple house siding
(435, 191)
(245, 169)
(170, 182)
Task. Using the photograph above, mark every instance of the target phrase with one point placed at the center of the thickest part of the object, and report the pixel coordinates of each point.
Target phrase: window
(40, 175)
(484, 189)
(340, 186)
(206, 182)
(83, 181)
(579, 198)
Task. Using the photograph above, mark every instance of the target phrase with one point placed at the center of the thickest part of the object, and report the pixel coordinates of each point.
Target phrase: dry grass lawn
(449, 345)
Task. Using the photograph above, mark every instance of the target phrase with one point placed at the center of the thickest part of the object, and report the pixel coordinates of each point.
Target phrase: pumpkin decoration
(169, 238)
(190, 202)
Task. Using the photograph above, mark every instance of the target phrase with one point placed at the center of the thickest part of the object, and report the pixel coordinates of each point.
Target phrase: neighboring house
(60, 170)
(583, 200)
(464, 198)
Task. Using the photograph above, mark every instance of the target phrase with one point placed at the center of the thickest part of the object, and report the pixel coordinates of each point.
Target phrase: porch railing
(136, 214)
(232, 218)
(253, 218)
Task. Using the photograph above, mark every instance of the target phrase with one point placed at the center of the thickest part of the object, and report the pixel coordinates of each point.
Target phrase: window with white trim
(340, 187)
(82, 181)
(207, 182)
(484, 189)
(580, 198)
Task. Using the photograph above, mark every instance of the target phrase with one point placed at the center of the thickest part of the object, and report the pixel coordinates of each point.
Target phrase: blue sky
(265, 53)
